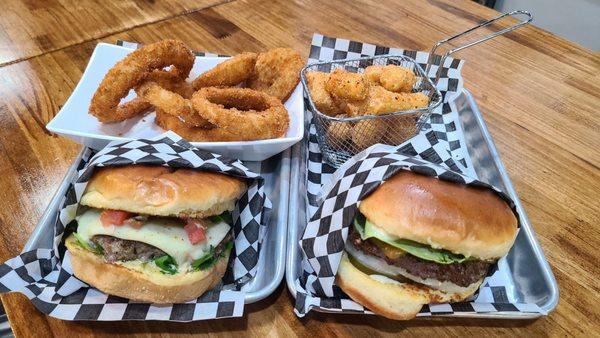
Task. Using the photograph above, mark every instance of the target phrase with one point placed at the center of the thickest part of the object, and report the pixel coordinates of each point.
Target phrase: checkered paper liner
(48, 280)
(439, 150)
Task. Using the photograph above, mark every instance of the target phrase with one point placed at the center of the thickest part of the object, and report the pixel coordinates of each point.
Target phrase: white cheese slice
(165, 234)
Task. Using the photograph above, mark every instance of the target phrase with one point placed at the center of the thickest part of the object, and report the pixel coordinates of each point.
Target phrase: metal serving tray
(532, 277)
(271, 264)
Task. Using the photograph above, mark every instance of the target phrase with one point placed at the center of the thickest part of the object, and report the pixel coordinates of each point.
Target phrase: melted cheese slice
(165, 234)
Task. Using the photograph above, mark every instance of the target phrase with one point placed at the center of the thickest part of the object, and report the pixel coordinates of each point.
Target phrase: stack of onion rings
(172, 103)
(247, 113)
(218, 110)
(229, 73)
(277, 72)
(189, 132)
(131, 72)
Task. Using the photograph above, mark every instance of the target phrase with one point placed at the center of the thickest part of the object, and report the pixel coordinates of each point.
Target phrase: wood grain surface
(32, 27)
(538, 94)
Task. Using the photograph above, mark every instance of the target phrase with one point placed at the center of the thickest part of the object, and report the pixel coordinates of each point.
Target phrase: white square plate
(74, 121)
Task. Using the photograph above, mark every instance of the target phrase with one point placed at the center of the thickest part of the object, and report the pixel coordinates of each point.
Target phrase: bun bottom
(387, 297)
(139, 284)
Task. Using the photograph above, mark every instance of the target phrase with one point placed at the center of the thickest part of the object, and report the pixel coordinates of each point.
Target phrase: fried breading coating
(171, 103)
(366, 133)
(321, 97)
(347, 86)
(247, 113)
(191, 133)
(391, 77)
(228, 73)
(339, 131)
(276, 72)
(131, 72)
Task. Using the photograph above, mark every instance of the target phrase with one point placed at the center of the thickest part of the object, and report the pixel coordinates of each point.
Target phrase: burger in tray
(154, 234)
(418, 240)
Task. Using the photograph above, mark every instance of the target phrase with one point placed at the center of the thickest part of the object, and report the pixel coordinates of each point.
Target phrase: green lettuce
(166, 264)
(368, 230)
(97, 249)
(224, 217)
(209, 259)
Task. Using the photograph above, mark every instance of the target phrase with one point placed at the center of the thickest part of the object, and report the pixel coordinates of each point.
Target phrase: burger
(418, 240)
(154, 234)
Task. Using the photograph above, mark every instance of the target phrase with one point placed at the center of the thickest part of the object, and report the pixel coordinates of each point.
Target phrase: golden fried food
(220, 111)
(391, 77)
(320, 96)
(191, 133)
(229, 73)
(339, 131)
(132, 71)
(373, 73)
(383, 101)
(400, 129)
(170, 81)
(347, 86)
(247, 113)
(171, 103)
(276, 72)
(366, 133)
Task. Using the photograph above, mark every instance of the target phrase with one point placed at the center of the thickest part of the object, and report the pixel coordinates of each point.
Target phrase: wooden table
(538, 94)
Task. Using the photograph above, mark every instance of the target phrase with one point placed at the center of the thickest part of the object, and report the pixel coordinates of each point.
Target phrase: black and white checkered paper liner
(48, 281)
(439, 150)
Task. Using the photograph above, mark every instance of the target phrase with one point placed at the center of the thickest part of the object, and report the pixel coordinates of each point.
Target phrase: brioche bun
(162, 191)
(388, 298)
(474, 222)
(142, 284)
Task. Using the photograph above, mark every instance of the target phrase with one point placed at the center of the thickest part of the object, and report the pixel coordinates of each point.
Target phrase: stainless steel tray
(271, 264)
(532, 277)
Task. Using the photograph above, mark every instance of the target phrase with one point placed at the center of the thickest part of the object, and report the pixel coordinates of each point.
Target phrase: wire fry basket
(340, 138)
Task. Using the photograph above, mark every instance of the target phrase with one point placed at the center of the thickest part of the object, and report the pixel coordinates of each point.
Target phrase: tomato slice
(134, 223)
(114, 217)
(195, 231)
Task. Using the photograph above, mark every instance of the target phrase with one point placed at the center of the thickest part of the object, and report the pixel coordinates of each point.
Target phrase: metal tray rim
(547, 306)
(525, 223)
(250, 297)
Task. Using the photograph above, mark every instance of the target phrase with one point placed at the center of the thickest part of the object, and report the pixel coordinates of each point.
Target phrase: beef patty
(117, 249)
(462, 274)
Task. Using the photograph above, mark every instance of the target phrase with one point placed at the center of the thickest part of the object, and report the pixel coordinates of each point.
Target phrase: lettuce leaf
(209, 259)
(88, 246)
(167, 264)
(368, 230)
(224, 217)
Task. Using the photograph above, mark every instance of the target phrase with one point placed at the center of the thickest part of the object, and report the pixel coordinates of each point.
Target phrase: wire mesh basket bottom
(341, 138)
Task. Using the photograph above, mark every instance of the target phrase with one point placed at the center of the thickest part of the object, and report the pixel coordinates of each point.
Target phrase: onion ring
(229, 73)
(277, 72)
(190, 133)
(131, 71)
(249, 114)
(171, 103)
(170, 81)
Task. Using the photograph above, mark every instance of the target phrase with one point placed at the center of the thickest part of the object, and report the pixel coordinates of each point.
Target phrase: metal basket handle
(467, 45)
